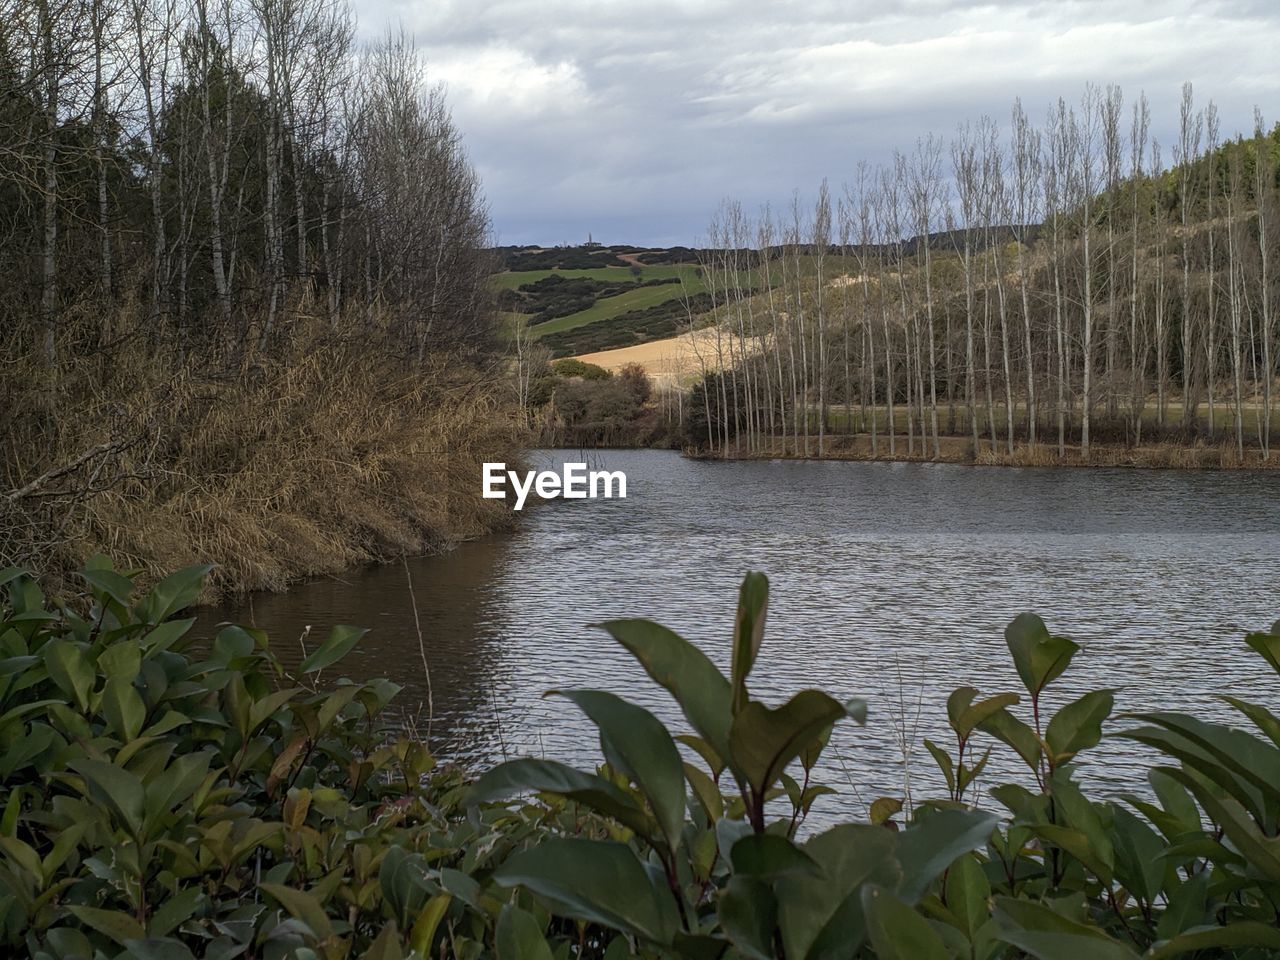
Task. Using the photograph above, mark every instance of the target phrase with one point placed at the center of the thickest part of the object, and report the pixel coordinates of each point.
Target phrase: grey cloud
(632, 121)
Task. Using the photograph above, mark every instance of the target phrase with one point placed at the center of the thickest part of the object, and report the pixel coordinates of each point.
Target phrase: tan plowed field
(668, 362)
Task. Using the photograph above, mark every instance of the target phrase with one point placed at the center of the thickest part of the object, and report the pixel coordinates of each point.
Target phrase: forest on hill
(1077, 289)
(247, 315)
(576, 300)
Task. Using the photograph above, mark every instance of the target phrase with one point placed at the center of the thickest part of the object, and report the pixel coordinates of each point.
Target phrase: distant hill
(593, 297)
(590, 297)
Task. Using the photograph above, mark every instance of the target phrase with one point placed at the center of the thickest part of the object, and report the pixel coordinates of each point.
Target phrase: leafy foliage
(161, 801)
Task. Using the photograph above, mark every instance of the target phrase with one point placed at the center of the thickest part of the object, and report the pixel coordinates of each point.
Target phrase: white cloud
(502, 81)
(633, 120)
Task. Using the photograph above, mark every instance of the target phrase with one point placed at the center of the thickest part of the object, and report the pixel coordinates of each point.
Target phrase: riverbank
(319, 458)
(960, 450)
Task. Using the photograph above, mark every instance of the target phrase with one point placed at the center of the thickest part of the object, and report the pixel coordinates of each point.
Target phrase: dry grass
(291, 466)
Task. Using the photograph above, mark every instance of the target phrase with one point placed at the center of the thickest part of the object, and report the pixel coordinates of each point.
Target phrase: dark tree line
(217, 167)
(243, 258)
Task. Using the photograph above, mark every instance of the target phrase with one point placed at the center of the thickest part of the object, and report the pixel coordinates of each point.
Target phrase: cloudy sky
(631, 121)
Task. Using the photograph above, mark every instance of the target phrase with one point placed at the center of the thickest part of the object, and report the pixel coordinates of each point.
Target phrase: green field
(513, 279)
(611, 307)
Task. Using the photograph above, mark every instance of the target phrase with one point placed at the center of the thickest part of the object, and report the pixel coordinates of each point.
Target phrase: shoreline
(958, 451)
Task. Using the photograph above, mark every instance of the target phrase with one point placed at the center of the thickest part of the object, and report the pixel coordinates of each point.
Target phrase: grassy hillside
(639, 299)
(613, 294)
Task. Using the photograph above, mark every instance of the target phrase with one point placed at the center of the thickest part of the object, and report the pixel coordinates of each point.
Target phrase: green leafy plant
(700, 867)
(164, 799)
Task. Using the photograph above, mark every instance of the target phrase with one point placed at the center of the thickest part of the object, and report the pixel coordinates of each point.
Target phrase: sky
(631, 122)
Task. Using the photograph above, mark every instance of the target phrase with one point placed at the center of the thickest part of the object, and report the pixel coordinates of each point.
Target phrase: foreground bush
(161, 802)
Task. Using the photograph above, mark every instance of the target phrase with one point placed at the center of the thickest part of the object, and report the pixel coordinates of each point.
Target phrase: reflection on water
(889, 581)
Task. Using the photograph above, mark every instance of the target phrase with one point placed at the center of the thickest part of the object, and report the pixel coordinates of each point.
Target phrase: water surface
(889, 581)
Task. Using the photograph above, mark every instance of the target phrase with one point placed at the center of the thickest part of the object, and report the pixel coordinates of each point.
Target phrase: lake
(890, 581)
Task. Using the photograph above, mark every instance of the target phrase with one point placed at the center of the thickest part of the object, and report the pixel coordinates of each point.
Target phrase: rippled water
(889, 581)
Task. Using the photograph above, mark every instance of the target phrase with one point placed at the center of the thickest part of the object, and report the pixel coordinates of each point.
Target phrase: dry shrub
(326, 454)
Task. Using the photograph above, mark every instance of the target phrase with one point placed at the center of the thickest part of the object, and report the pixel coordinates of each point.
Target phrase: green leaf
(9, 574)
(1261, 851)
(108, 583)
(1267, 645)
(636, 744)
(748, 633)
(1078, 844)
(768, 855)
(1067, 946)
(166, 635)
(1078, 725)
(820, 913)
(175, 911)
(1008, 729)
(174, 593)
(595, 881)
(884, 809)
(966, 716)
(403, 878)
(1237, 935)
(705, 789)
(11, 665)
(1138, 849)
(897, 932)
(22, 709)
(158, 949)
(748, 915)
(944, 762)
(24, 856)
(704, 750)
(928, 847)
(123, 708)
(69, 942)
(233, 642)
(519, 937)
(763, 741)
(119, 789)
(1038, 656)
(1236, 750)
(1262, 718)
(63, 847)
(119, 926)
(690, 946)
(302, 905)
(968, 894)
(1240, 763)
(424, 928)
(530, 775)
(1175, 800)
(386, 946)
(70, 669)
(1048, 935)
(1079, 813)
(341, 640)
(122, 659)
(1188, 907)
(685, 672)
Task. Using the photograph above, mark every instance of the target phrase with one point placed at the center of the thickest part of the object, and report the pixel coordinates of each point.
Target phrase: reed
(329, 453)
